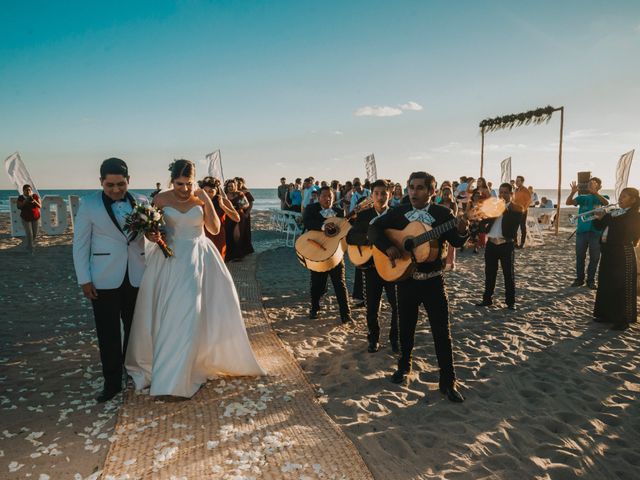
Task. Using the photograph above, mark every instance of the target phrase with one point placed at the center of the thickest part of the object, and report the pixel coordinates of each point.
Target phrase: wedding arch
(535, 117)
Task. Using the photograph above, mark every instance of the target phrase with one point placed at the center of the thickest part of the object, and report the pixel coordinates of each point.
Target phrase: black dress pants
(505, 255)
(373, 294)
(432, 295)
(358, 286)
(319, 288)
(523, 228)
(110, 308)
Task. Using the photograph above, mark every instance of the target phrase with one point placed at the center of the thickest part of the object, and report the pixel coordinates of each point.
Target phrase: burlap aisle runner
(264, 428)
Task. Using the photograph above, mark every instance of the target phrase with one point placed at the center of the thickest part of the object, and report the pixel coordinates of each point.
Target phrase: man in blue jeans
(587, 236)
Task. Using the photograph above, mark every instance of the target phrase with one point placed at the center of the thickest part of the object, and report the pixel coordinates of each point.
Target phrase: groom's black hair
(113, 166)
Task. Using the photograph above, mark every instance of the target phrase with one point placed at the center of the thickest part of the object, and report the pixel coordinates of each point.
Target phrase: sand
(549, 393)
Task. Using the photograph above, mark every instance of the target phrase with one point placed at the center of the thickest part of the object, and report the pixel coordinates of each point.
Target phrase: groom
(109, 267)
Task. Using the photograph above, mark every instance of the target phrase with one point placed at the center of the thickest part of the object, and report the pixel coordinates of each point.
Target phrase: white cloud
(377, 111)
(411, 106)
(387, 111)
(337, 132)
(638, 28)
(586, 133)
(449, 147)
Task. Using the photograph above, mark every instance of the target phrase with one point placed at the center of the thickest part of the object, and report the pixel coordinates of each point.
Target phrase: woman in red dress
(224, 209)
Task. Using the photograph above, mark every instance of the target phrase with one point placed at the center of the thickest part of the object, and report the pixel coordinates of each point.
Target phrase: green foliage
(537, 116)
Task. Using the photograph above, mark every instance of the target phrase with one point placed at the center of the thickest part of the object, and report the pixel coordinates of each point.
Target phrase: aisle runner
(263, 428)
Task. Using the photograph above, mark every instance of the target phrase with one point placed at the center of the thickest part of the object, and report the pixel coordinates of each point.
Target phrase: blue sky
(280, 87)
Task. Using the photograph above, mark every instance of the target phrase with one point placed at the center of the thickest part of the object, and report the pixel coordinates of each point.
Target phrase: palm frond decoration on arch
(536, 117)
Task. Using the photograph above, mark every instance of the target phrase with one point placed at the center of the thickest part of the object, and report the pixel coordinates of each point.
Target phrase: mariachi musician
(426, 285)
(314, 217)
(502, 235)
(373, 283)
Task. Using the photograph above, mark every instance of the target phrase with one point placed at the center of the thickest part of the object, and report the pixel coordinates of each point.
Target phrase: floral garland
(537, 116)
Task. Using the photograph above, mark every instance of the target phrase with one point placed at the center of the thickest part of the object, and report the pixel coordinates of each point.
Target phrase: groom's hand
(153, 236)
(89, 291)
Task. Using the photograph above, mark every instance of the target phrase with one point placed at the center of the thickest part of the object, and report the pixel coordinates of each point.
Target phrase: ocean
(266, 198)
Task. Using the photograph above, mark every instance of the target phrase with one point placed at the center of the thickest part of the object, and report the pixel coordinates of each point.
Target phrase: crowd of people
(615, 233)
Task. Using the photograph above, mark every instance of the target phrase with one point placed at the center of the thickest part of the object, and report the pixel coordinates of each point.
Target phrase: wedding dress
(187, 326)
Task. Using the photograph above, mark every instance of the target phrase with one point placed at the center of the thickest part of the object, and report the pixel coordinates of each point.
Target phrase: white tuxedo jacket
(102, 253)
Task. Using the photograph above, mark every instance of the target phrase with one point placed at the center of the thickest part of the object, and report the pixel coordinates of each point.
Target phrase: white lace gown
(187, 326)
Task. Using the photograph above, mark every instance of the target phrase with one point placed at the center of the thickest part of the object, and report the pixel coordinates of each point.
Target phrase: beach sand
(549, 393)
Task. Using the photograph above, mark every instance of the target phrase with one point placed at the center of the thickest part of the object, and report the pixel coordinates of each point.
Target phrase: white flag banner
(214, 160)
(18, 172)
(622, 172)
(505, 170)
(370, 168)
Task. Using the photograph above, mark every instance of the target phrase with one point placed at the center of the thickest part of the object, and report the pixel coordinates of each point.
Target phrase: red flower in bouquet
(146, 218)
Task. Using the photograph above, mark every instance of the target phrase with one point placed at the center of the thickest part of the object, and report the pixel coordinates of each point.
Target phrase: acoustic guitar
(359, 254)
(418, 242)
(321, 251)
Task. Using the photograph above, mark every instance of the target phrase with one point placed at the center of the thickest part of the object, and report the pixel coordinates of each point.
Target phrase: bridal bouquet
(146, 218)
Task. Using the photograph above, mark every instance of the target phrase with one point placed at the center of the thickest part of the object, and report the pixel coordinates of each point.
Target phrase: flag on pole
(215, 165)
(370, 167)
(505, 170)
(18, 172)
(622, 172)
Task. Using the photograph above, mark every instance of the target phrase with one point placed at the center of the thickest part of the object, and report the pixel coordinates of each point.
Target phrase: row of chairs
(289, 224)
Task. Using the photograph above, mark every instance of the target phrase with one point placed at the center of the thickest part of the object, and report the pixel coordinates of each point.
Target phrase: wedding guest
(447, 200)
(616, 298)
(346, 196)
(522, 197)
(156, 191)
(359, 192)
(282, 193)
(587, 234)
(295, 198)
(245, 220)
(494, 194)
(482, 188)
(223, 208)
(236, 246)
(546, 203)
(534, 198)
(29, 205)
(396, 199)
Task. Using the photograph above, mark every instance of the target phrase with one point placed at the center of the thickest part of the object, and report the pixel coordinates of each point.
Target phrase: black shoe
(313, 314)
(484, 303)
(107, 394)
(511, 306)
(399, 376)
(359, 304)
(592, 285)
(373, 347)
(601, 320)
(619, 326)
(577, 283)
(346, 319)
(395, 346)
(452, 394)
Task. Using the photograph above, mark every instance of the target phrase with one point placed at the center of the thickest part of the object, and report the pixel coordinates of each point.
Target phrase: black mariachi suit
(313, 220)
(503, 253)
(431, 293)
(373, 283)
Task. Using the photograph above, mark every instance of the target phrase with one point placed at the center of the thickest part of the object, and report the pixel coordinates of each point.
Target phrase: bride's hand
(202, 195)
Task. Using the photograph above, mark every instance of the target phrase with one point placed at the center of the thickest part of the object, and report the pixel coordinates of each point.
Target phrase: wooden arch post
(537, 116)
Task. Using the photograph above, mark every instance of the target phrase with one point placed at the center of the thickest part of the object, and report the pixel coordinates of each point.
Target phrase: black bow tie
(110, 201)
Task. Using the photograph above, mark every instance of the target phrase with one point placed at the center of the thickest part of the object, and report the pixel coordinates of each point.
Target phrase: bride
(187, 326)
